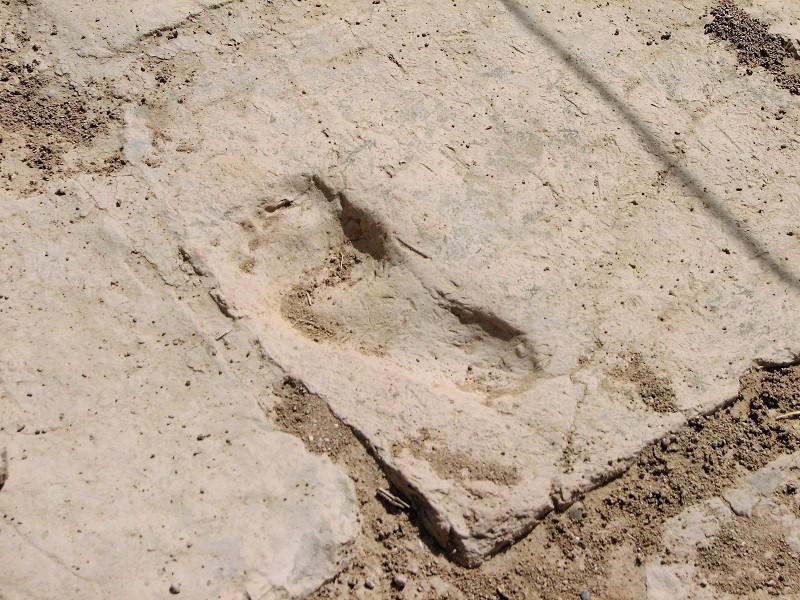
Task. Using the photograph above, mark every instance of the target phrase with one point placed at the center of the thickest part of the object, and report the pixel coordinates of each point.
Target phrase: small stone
(369, 584)
(585, 595)
(576, 512)
(398, 582)
(174, 589)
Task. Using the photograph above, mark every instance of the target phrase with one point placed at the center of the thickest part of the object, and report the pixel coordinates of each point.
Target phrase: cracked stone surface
(506, 245)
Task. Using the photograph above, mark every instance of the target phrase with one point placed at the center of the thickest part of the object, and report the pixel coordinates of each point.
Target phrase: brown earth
(755, 46)
(598, 544)
(749, 557)
(43, 116)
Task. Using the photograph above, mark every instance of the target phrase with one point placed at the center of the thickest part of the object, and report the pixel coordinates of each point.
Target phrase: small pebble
(584, 595)
(576, 512)
(398, 582)
(174, 589)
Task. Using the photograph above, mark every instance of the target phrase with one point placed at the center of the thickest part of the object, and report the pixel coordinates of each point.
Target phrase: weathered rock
(140, 462)
(509, 255)
(662, 584)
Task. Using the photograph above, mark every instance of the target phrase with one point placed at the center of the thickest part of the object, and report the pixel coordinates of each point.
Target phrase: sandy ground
(678, 524)
(382, 299)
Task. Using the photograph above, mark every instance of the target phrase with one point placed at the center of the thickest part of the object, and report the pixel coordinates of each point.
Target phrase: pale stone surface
(782, 17)
(663, 584)
(137, 459)
(572, 270)
(526, 229)
(100, 29)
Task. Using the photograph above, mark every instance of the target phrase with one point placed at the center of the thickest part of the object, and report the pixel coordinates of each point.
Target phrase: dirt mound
(755, 45)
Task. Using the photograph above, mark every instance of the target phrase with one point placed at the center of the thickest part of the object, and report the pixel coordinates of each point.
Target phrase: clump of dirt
(600, 544)
(748, 556)
(450, 464)
(755, 45)
(42, 115)
(656, 392)
(308, 417)
(46, 113)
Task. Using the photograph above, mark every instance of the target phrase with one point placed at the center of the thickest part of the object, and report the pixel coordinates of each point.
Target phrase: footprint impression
(357, 289)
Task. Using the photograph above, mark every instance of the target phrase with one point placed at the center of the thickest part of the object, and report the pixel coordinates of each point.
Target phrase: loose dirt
(755, 45)
(453, 465)
(654, 391)
(599, 543)
(298, 306)
(42, 116)
(749, 557)
(310, 419)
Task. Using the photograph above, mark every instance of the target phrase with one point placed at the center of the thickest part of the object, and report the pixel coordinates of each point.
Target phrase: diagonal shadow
(658, 149)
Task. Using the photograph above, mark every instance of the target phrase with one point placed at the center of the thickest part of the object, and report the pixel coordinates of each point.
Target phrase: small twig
(790, 415)
(222, 335)
(308, 298)
(392, 500)
(413, 249)
(311, 324)
(3, 468)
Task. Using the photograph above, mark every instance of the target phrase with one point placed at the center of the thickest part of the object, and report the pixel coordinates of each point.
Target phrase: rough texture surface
(755, 45)
(708, 512)
(137, 459)
(507, 246)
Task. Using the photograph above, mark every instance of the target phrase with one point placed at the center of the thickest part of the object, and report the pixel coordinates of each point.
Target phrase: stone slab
(137, 461)
(507, 246)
